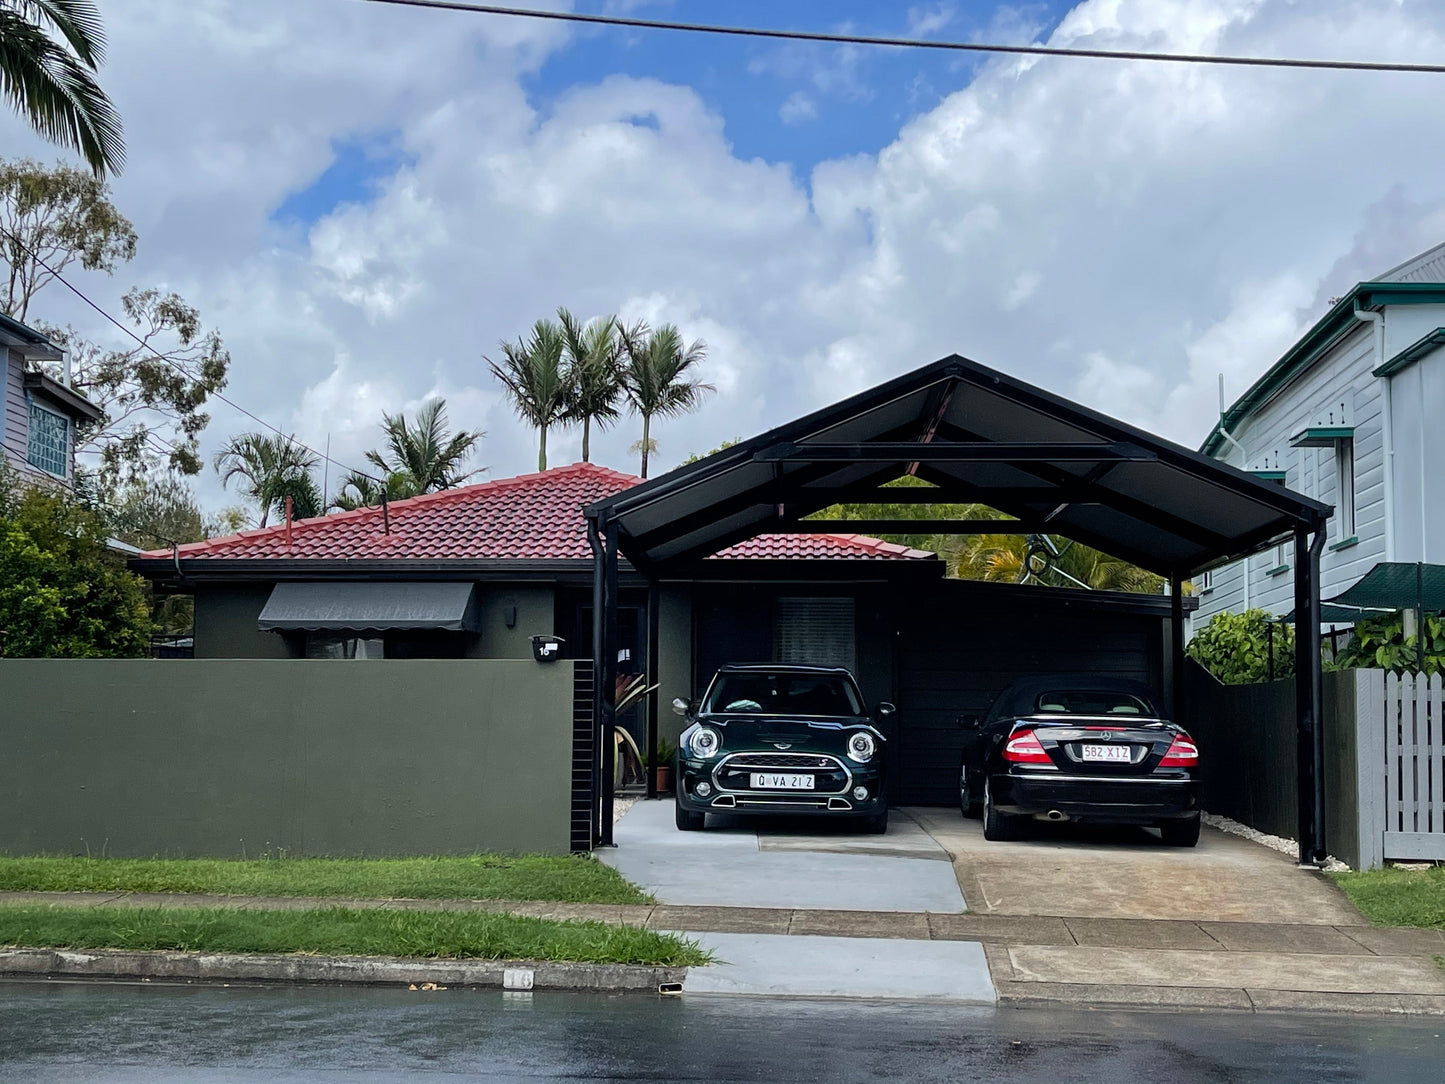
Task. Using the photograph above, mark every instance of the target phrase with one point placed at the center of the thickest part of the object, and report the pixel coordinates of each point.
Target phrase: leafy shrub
(1235, 648)
(1381, 644)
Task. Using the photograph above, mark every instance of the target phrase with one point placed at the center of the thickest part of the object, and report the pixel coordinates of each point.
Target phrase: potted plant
(662, 770)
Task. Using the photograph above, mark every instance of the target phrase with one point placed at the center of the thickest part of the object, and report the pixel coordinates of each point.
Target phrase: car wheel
(997, 827)
(1183, 833)
(969, 805)
(688, 821)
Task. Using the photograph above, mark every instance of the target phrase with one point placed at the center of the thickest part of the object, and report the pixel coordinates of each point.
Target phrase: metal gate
(1414, 726)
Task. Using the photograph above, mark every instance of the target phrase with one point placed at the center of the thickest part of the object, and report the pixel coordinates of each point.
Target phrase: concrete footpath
(1084, 962)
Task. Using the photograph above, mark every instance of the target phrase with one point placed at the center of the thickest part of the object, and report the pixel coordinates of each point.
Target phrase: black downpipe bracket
(599, 581)
(654, 639)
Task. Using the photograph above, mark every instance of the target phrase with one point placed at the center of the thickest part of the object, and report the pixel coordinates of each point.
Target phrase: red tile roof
(530, 517)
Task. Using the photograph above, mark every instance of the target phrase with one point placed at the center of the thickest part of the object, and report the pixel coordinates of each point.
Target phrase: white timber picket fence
(1411, 714)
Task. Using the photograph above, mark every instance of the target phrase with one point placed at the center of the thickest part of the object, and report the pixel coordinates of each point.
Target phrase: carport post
(1308, 691)
(599, 582)
(610, 638)
(1176, 646)
(654, 637)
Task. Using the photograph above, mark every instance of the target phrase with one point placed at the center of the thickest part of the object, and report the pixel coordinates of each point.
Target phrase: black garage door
(961, 643)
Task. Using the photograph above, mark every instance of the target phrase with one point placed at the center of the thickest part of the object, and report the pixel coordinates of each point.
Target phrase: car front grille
(781, 760)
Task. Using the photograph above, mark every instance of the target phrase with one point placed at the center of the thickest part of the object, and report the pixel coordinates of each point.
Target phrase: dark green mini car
(776, 739)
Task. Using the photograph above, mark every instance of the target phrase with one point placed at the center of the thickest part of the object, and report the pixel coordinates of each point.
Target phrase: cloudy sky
(365, 199)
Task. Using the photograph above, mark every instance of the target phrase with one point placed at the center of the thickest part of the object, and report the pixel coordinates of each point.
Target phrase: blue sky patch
(799, 102)
(357, 168)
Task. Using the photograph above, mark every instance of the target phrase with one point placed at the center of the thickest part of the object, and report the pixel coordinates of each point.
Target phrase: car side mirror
(885, 709)
(969, 722)
(682, 707)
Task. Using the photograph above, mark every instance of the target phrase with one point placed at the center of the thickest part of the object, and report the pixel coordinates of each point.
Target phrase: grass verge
(342, 931)
(1398, 897)
(562, 878)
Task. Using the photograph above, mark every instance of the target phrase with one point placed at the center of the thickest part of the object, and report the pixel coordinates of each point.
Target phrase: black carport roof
(979, 436)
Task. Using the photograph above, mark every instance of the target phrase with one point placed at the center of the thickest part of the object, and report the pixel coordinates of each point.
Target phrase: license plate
(783, 781)
(1111, 753)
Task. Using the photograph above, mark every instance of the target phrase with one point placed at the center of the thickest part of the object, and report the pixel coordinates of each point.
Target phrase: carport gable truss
(977, 436)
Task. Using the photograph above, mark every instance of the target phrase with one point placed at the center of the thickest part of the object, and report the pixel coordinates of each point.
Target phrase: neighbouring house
(1350, 416)
(476, 572)
(40, 412)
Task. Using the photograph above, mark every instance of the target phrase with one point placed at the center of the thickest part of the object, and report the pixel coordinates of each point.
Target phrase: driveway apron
(739, 862)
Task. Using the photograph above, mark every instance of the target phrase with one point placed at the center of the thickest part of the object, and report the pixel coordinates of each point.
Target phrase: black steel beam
(654, 648)
(911, 526)
(1176, 646)
(611, 639)
(599, 653)
(1306, 718)
(935, 495)
(983, 451)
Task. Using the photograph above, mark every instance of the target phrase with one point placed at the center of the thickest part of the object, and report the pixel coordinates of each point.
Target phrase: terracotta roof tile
(529, 517)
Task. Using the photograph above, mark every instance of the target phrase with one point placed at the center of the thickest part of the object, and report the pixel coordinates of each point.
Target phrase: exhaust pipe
(1057, 815)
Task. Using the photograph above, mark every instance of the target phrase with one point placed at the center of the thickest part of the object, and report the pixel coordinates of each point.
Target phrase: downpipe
(1321, 852)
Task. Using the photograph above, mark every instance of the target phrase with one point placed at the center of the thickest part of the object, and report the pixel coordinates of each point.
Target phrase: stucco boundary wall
(241, 757)
(1248, 742)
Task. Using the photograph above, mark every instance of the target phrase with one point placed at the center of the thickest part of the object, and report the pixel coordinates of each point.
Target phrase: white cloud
(797, 108)
(1122, 232)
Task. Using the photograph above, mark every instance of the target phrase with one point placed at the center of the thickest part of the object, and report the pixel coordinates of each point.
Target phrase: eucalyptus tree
(534, 374)
(50, 51)
(658, 375)
(271, 468)
(593, 356)
(424, 455)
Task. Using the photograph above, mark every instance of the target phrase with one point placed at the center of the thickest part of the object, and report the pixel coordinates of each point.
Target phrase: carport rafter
(1009, 452)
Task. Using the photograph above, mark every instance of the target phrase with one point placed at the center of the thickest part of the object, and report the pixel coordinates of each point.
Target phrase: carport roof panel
(1098, 480)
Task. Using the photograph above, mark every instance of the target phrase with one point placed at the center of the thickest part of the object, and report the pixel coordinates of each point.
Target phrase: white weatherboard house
(1352, 415)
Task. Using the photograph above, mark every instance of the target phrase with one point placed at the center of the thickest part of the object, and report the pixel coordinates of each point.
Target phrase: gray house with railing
(37, 428)
(1350, 416)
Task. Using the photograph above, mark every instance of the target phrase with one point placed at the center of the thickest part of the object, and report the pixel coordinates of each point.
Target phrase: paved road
(62, 1032)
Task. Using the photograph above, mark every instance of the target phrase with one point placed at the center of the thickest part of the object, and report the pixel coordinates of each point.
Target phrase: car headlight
(861, 746)
(705, 742)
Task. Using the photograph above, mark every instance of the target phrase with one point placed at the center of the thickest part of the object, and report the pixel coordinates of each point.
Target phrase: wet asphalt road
(78, 1032)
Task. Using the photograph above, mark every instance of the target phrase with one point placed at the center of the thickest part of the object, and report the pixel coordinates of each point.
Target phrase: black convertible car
(781, 739)
(1079, 747)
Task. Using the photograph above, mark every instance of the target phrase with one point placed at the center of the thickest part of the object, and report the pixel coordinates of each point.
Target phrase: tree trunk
(542, 449)
(586, 439)
(646, 426)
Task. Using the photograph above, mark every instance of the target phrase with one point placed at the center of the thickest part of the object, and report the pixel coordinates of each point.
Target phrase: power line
(913, 43)
(167, 361)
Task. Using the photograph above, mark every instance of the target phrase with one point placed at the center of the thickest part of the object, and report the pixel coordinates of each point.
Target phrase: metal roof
(980, 436)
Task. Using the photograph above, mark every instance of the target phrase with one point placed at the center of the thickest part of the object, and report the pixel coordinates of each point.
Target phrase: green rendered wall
(181, 757)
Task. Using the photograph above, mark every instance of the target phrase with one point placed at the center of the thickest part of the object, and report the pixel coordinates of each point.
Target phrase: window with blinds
(815, 632)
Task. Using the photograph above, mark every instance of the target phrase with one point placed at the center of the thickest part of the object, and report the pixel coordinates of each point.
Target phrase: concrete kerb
(191, 967)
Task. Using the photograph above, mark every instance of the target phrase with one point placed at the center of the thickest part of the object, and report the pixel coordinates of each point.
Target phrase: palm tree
(593, 355)
(655, 376)
(1047, 560)
(424, 456)
(272, 468)
(363, 491)
(532, 371)
(49, 53)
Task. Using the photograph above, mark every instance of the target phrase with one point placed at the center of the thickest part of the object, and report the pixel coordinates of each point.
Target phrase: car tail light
(1183, 753)
(1024, 748)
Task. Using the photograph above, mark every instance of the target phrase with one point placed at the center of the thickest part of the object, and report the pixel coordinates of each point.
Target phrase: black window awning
(320, 606)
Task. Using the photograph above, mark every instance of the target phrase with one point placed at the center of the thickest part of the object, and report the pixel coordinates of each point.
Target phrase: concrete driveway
(782, 863)
(1127, 873)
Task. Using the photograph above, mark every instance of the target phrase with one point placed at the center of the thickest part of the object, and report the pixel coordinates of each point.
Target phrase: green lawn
(1398, 897)
(564, 878)
(343, 932)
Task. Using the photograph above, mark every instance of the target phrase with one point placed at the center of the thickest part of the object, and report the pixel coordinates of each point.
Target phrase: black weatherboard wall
(960, 644)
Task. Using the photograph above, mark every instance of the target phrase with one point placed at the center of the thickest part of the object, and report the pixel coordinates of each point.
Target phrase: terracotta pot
(664, 779)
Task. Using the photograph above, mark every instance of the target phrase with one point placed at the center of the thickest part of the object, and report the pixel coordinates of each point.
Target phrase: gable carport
(975, 435)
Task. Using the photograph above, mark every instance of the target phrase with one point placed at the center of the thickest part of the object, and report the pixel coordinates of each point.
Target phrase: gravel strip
(621, 806)
(1278, 843)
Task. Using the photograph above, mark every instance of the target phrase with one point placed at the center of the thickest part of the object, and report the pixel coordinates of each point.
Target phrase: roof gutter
(1387, 415)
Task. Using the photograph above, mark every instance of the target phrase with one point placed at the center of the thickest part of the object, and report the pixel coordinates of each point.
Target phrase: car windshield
(762, 693)
(1091, 702)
